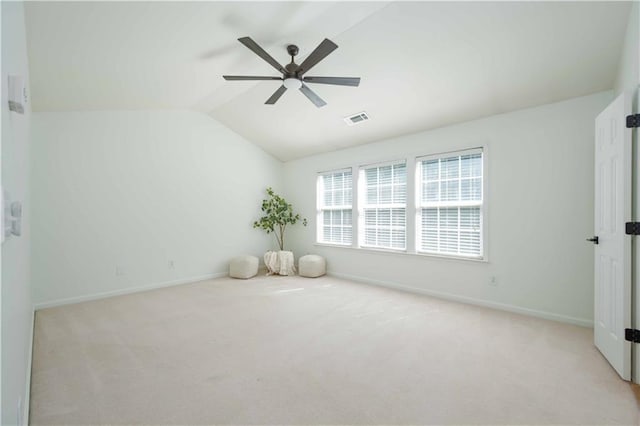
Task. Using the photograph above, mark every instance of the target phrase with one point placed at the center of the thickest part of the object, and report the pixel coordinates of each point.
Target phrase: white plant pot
(279, 262)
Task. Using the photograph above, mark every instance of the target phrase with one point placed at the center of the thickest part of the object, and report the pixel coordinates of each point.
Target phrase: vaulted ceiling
(423, 64)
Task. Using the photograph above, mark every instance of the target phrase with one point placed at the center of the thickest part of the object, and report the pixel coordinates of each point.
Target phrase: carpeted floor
(289, 350)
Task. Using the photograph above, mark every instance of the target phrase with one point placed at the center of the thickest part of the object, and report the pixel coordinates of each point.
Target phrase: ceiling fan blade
(253, 46)
(276, 95)
(323, 49)
(312, 96)
(340, 81)
(249, 77)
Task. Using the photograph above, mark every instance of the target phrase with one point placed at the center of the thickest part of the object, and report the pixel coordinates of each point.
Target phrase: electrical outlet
(493, 281)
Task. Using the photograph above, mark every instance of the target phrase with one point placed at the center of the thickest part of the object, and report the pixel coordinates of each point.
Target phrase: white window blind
(384, 205)
(450, 204)
(335, 199)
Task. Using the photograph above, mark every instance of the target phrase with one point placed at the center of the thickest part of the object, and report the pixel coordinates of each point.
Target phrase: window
(384, 204)
(429, 205)
(450, 202)
(335, 198)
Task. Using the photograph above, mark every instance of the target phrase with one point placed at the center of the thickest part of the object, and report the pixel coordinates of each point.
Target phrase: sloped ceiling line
(423, 64)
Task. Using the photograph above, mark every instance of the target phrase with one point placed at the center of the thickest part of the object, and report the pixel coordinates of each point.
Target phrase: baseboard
(27, 392)
(441, 295)
(103, 295)
(471, 301)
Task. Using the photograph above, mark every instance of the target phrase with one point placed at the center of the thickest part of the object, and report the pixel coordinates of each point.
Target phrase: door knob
(594, 240)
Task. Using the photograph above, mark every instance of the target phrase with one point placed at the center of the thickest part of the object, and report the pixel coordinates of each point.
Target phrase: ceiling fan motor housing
(291, 70)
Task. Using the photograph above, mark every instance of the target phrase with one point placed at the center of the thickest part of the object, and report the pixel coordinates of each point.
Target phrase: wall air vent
(358, 118)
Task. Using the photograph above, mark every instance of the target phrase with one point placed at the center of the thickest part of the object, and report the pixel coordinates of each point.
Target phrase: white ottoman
(243, 267)
(312, 266)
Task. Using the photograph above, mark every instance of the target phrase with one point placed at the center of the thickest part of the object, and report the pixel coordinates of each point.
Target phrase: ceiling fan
(293, 74)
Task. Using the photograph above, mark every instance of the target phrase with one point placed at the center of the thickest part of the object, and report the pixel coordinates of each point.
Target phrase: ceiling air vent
(358, 118)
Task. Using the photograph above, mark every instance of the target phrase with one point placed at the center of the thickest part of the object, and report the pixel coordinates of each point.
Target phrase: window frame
(321, 208)
(482, 204)
(361, 197)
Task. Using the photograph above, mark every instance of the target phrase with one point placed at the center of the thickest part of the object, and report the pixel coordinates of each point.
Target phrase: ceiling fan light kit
(292, 83)
(293, 74)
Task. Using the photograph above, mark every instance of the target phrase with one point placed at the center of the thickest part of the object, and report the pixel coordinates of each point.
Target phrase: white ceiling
(423, 64)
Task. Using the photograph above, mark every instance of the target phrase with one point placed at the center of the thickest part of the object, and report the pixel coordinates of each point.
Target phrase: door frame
(635, 243)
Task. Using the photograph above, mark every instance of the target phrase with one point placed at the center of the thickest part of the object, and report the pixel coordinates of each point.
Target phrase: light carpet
(290, 350)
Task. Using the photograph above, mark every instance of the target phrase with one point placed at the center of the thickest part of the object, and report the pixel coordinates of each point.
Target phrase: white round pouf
(243, 267)
(312, 266)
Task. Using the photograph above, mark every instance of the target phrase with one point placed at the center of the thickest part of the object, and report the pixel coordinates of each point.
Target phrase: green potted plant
(278, 214)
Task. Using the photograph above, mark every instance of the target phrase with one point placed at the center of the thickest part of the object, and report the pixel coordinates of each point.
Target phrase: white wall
(135, 190)
(540, 195)
(17, 312)
(629, 80)
(629, 66)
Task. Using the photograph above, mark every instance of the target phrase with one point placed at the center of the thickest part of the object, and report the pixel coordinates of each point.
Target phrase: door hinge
(632, 228)
(632, 335)
(633, 120)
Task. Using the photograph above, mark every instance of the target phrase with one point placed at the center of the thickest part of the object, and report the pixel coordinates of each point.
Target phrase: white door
(613, 248)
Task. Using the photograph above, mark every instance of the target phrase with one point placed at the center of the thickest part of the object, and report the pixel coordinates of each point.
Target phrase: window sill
(403, 253)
